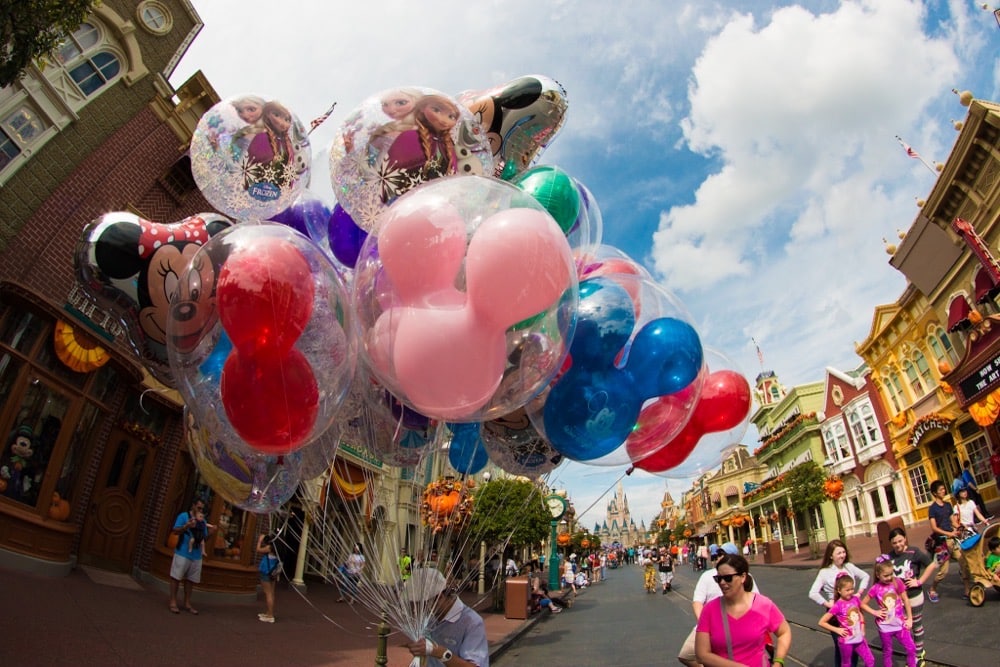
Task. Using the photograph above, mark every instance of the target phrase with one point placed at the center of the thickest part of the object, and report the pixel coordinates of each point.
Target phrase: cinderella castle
(618, 524)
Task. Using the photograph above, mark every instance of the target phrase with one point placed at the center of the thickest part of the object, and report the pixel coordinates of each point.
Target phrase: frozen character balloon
(250, 157)
(133, 268)
(397, 140)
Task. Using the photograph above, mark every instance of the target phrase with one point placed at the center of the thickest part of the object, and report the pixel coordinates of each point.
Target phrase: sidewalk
(94, 617)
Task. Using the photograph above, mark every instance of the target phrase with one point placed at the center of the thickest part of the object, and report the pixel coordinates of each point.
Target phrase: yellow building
(932, 353)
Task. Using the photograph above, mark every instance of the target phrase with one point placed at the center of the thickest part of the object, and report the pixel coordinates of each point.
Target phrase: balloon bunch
(456, 293)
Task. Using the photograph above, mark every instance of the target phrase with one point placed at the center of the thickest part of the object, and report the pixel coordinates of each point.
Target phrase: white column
(300, 559)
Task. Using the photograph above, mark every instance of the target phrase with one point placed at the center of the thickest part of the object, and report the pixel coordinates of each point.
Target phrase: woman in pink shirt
(734, 627)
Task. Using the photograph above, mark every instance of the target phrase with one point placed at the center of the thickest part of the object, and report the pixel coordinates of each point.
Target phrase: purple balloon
(307, 215)
(346, 238)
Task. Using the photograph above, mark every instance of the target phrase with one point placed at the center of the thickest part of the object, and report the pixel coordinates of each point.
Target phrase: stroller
(974, 551)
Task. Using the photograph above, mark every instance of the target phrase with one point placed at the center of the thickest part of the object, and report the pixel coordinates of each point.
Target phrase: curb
(501, 646)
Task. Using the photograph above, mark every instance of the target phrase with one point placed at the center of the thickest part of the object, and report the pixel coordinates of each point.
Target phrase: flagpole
(760, 355)
(316, 122)
(914, 154)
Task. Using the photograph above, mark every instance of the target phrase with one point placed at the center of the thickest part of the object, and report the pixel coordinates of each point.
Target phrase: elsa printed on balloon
(397, 140)
(250, 157)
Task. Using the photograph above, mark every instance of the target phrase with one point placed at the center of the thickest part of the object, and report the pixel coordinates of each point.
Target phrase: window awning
(958, 314)
(986, 289)
(716, 497)
(731, 490)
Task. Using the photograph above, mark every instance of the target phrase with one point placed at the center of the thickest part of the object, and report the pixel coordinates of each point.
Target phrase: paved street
(93, 617)
(616, 623)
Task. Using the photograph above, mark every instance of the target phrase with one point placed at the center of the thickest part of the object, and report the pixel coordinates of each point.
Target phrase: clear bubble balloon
(250, 157)
(514, 445)
(277, 358)
(465, 299)
(398, 139)
(254, 482)
(717, 423)
(633, 345)
(317, 457)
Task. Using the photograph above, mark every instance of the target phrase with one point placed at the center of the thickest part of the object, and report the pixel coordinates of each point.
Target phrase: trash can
(516, 598)
(772, 552)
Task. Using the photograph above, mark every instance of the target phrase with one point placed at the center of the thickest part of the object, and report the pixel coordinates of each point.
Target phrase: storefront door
(111, 526)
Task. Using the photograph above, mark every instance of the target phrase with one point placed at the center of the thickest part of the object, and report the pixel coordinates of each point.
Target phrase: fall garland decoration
(833, 488)
(925, 424)
(784, 430)
(446, 503)
(142, 433)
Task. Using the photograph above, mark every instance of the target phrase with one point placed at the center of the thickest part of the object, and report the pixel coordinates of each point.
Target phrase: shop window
(86, 428)
(32, 440)
(924, 369)
(914, 379)
(876, 503)
(46, 357)
(8, 149)
(229, 535)
(978, 452)
(145, 419)
(21, 330)
(890, 499)
(856, 508)
(919, 484)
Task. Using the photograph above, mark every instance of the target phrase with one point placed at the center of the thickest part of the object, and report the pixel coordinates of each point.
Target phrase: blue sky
(744, 152)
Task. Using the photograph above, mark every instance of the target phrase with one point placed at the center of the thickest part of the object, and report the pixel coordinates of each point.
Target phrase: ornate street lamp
(557, 506)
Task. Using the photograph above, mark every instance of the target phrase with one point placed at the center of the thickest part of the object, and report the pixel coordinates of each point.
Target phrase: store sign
(981, 380)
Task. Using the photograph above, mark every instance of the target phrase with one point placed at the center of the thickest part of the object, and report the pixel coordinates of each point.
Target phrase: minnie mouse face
(189, 302)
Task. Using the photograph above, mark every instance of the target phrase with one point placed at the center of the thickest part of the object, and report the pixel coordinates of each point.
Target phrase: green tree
(30, 29)
(509, 509)
(805, 492)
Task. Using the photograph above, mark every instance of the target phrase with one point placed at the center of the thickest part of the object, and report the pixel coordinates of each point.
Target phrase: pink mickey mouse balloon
(453, 268)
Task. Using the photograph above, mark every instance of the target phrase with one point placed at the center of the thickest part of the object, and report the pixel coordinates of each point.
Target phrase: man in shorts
(186, 565)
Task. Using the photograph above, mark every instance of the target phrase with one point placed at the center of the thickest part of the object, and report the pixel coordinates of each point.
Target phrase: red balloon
(265, 295)
(723, 404)
(271, 399)
(659, 422)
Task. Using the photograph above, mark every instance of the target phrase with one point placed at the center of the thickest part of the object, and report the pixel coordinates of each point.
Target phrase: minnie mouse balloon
(132, 268)
(398, 139)
(519, 118)
(250, 157)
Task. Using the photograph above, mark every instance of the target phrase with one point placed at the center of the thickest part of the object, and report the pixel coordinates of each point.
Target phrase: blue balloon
(594, 406)
(211, 368)
(467, 453)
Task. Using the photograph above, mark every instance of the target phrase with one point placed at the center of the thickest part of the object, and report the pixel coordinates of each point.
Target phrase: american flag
(319, 120)
(760, 355)
(914, 154)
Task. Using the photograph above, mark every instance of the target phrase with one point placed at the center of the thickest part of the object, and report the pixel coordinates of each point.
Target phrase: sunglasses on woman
(728, 578)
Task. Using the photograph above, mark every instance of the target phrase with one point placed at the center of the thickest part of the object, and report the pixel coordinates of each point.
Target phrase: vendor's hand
(420, 647)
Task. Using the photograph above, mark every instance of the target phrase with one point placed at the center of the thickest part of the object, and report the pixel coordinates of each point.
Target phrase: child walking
(851, 631)
(894, 617)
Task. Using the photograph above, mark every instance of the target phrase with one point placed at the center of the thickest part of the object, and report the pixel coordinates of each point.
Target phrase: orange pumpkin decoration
(563, 540)
(688, 533)
(77, 350)
(60, 508)
(584, 543)
(444, 504)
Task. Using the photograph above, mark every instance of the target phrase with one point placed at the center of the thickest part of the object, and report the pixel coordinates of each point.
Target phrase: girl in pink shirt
(851, 631)
(894, 618)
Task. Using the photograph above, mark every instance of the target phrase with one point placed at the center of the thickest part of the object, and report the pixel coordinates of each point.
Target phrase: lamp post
(557, 505)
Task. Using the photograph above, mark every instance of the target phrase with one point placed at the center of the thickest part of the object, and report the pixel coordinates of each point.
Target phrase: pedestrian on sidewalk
(666, 570)
(836, 562)
(705, 591)
(270, 571)
(894, 617)
(914, 567)
(845, 621)
(186, 564)
(969, 481)
(945, 538)
(737, 624)
(458, 637)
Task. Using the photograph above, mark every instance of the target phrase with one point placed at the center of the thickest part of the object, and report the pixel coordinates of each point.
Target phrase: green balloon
(555, 190)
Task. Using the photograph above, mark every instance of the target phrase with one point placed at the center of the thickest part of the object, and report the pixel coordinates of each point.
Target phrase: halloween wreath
(446, 503)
